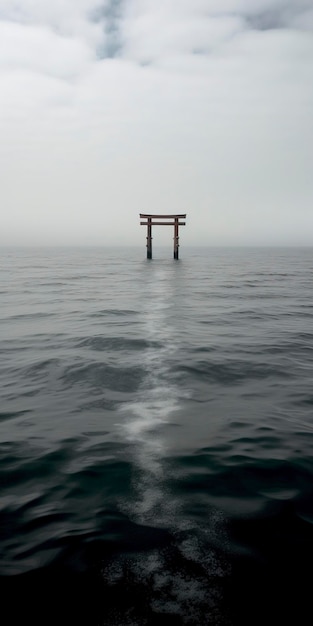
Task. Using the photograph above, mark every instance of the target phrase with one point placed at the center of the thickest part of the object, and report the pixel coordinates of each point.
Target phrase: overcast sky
(109, 108)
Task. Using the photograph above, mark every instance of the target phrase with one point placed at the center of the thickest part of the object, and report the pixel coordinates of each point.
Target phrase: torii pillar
(171, 220)
(149, 238)
(176, 238)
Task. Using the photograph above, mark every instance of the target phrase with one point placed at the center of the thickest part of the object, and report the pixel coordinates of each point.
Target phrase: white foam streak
(157, 399)
(176, 589)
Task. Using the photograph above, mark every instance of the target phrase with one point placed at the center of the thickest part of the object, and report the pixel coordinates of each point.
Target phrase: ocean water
(156, 435)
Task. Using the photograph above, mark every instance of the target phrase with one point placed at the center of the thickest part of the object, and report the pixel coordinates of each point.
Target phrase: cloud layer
(115, 107)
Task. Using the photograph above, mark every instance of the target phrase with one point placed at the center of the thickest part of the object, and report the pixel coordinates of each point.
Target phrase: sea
(156, 436)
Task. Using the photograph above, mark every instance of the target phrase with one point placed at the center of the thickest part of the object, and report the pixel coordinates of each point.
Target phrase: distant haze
(115, 107)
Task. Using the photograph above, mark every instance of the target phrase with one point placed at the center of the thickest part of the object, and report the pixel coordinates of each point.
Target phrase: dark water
(156, 435)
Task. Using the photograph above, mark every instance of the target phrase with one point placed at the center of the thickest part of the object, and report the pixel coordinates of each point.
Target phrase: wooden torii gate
(171, 220)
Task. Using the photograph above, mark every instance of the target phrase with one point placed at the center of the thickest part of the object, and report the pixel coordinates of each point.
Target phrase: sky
(109, 108)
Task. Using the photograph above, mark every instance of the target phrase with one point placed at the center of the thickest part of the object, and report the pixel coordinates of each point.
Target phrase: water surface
(156, 436)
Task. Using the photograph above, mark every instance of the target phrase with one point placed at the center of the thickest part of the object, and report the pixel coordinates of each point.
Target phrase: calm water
(156, 435)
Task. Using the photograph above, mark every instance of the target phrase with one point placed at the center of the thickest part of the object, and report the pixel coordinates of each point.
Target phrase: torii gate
(172, 220)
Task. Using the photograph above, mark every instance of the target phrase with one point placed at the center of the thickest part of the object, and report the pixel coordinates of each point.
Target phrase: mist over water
(156, 435)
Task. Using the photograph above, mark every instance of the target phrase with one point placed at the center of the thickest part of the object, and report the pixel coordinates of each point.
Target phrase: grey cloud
(203, 106)
(113, 15)
(284, 15)
(146, 32)
(109, 15)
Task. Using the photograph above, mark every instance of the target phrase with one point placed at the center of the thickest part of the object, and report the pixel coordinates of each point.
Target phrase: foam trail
(157, 399)
(183, 578)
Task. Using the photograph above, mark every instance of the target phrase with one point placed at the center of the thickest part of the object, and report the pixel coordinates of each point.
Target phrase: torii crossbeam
(154, 220)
